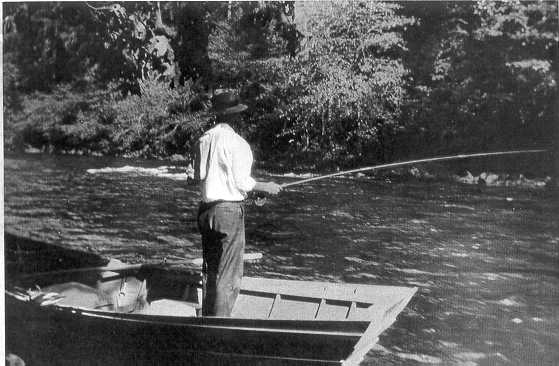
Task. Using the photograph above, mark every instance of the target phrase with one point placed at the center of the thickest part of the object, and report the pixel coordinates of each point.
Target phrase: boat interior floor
(125, 295)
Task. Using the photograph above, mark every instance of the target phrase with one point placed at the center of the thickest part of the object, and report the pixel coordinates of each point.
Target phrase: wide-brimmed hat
(226, 102)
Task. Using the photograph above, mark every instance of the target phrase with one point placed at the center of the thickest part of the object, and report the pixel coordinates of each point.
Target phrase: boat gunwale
(287, 325)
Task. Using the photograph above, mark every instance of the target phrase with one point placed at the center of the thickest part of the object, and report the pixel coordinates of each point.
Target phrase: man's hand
(191, 181)
(268, 187)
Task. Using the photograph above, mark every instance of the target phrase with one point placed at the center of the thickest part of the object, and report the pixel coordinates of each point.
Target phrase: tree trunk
(162, 27)
(555, 147)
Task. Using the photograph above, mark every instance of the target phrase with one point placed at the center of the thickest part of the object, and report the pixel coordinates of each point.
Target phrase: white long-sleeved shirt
(223, 165)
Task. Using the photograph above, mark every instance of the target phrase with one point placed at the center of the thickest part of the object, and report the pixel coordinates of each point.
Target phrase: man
(223, 169)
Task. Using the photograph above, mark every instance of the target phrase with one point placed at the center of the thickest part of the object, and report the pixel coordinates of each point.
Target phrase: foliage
(195, 21)
(266, 29)
(490, 79)
(252, 37)
(328, 84)
(160, 122)
(44, 41)
(343, 92)
(59, 121)
(135, 43)
(527, 64)
(122, 43)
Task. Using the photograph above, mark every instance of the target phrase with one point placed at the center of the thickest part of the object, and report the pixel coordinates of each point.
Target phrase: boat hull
(49, 335)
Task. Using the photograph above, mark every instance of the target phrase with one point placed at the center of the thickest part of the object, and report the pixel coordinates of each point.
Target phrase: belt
(206, 205)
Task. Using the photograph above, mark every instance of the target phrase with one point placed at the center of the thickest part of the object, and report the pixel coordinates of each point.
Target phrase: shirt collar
(224, 126)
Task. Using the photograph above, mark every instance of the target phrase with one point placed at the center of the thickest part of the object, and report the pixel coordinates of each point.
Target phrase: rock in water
(177, 157)
(488, 179)
(491, 179)
(468, 179)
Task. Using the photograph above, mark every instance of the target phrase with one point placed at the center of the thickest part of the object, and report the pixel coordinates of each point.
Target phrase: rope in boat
(409, 162)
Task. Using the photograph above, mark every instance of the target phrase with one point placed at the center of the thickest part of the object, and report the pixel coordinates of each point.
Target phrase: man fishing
(222, 167)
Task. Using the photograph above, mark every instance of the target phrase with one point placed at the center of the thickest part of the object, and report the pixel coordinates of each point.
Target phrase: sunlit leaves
(348, 78)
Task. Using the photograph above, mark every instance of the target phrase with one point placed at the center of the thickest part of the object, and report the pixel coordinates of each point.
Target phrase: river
(485, 259)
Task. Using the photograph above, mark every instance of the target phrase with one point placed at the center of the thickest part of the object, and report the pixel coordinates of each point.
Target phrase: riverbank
(177, 167)
(413, 173)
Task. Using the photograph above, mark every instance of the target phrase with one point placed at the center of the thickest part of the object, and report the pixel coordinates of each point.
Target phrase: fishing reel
(258, 199)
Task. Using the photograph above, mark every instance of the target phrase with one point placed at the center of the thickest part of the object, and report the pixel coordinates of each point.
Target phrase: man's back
(223, 165)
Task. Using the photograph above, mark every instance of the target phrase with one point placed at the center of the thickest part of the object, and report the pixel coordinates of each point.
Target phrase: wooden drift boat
(142, 314)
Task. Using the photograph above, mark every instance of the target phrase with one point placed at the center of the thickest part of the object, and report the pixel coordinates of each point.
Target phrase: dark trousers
(222, 225)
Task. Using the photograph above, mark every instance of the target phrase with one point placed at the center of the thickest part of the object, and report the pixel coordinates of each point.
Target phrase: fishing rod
(409, 162)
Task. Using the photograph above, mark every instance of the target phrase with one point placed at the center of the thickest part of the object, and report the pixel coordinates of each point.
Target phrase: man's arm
(242, 166)
(268, 187)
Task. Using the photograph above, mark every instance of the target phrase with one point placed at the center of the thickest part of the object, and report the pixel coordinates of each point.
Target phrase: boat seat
(169, 307)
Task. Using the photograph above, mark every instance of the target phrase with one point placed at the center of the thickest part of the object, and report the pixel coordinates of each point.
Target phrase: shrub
(159, 122)
(54, 121)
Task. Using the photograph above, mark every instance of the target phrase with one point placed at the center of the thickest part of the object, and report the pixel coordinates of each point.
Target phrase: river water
(485, 259)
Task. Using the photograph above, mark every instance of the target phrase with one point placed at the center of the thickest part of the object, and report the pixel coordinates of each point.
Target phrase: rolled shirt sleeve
(200, 154)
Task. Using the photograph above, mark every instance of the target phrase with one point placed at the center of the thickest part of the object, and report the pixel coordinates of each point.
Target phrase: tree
(136, 44)
(46, 43)
(343, 92)
(485, 74)
(524, 37)
(195, 22)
